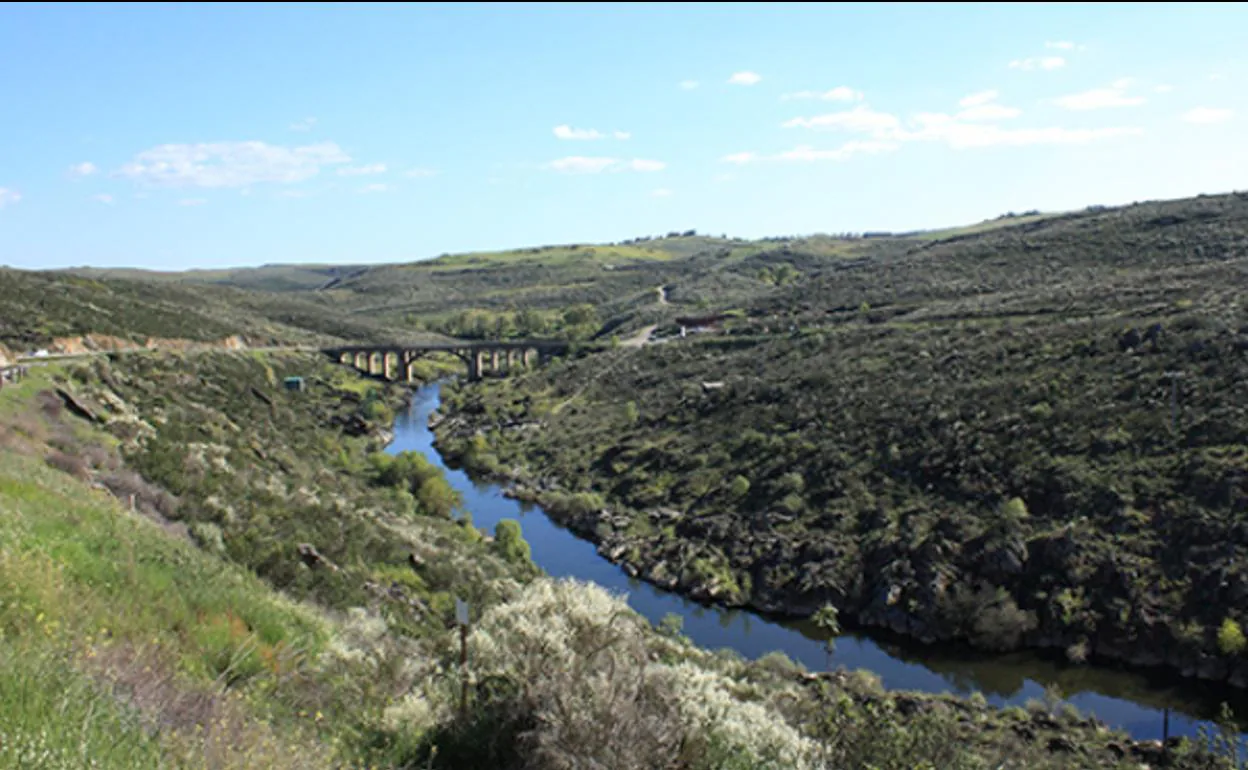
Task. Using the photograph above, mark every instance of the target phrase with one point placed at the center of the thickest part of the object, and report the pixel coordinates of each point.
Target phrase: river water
(1127, 699)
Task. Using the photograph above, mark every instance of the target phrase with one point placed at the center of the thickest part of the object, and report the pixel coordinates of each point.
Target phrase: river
(1131, 700)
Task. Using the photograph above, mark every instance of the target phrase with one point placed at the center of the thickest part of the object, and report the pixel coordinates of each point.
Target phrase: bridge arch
(481, 357)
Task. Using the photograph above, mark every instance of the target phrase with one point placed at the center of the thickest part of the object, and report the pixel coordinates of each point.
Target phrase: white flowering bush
(585, 689)
(747, 730)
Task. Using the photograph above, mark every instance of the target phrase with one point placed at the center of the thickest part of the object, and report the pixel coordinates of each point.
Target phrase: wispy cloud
(192, 201)
(1038, 63)
(1207, 115)
(366, 170)
(980, 106)
(230, 164)
(104, 198)
(838, 94)
(86, 168)
(303, 125)
(662, 192)
(577, 164)
(1163, 88)
(807, 154)
(1061, 45)
(978, 98)
(689, 85)
(746, 78)
(9, 197)
(1101, 98)
(417, 173)
(960, 131)
(587, 134)
(861, 118)
(989, 112)
(376, 187)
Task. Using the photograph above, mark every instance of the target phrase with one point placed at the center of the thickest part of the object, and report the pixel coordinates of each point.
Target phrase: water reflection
(1130, 700)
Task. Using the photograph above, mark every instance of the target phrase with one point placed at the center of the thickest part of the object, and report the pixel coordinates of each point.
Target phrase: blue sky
(190, 135)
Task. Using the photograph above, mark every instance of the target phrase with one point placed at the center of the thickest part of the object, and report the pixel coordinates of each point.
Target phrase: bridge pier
(395, 362)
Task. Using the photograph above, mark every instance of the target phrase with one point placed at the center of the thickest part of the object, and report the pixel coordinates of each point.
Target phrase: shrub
(1231, 638)
(72, 464)
(510, 543)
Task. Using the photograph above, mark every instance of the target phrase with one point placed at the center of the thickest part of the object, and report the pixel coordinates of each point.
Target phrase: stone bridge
(395, 361)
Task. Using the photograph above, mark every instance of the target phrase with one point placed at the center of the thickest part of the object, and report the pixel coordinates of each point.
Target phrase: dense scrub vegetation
(37, 308)
(1023, 436)
(153, 504)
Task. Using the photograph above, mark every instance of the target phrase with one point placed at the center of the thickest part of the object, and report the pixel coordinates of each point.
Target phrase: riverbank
(1131, 698)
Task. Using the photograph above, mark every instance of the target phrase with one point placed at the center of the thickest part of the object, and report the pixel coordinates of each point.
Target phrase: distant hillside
(276, 278)
(37, 307)
(1033, 434)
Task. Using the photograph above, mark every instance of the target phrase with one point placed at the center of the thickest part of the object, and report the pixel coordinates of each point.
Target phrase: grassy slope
(38, 307)
(920, 391)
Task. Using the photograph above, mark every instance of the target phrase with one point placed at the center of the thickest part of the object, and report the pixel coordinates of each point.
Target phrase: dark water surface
(1131, 700)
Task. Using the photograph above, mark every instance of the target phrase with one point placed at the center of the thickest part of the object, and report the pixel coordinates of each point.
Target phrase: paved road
(91, 353)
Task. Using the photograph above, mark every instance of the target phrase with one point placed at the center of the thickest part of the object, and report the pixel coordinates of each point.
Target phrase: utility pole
(461, 618)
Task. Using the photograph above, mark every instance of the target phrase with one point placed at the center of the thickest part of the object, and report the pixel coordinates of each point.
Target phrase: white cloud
(838, 94)
(1163, 88)
(103, 198)
(744, 78)
(192, 202)
(1207, 115)
(376, 188)
(662, 192)
(1101, 98)
(585, 134)
(646, 165)
(722, 178)
(230, 164)
(1038, 63)
(861, 118)
(688, 85)
(294, 194)
(960, 135)
(1061, 45)
(978, 98)
(567, 132)
(989, 112)
(957, 131)
(9, 197)
(86, 168)
(420, 172)
(303, 125)
(365, 170)
(576, 164)
(807, 154)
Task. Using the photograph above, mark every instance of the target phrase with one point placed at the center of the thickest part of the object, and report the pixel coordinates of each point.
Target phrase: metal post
(463, 670)
(461, 617)
(1165, 732)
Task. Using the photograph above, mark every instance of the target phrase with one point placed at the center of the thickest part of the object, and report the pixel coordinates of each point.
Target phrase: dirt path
(640, 338)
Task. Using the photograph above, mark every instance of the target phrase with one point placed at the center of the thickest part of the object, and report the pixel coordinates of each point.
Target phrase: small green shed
(293, 383)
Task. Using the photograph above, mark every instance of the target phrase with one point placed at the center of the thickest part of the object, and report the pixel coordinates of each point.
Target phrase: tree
(510, 543)
(827, 620)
